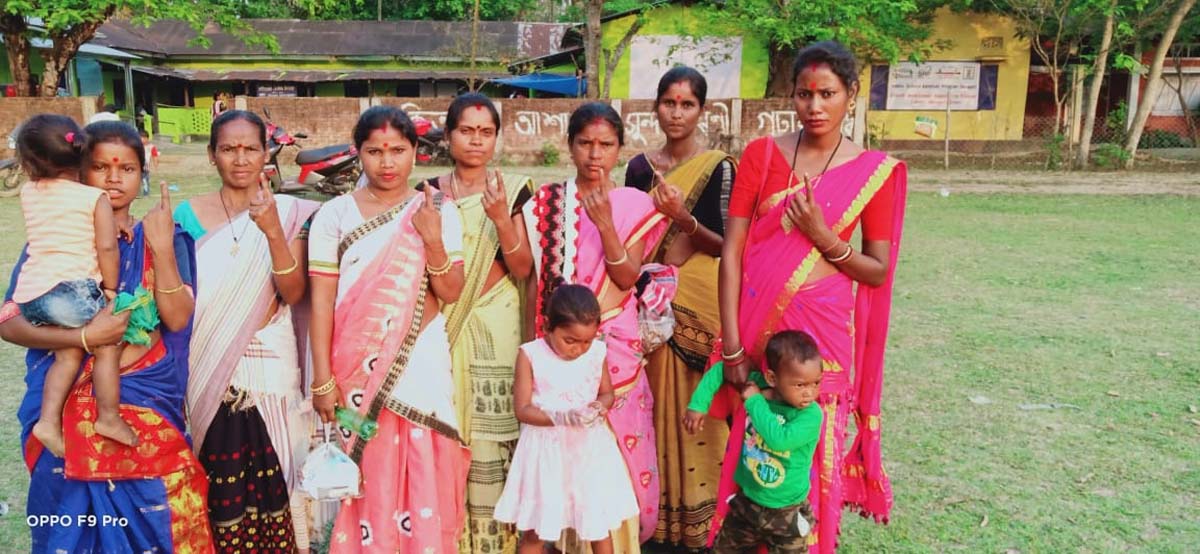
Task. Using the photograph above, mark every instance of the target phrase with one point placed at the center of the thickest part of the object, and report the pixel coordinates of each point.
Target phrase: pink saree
(567, 245)
(414, 470)
(850, 326)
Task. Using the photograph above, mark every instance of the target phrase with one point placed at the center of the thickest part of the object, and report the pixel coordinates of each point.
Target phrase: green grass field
(1042, 384)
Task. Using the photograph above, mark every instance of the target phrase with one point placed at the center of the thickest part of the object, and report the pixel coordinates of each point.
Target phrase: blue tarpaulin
(568, 85)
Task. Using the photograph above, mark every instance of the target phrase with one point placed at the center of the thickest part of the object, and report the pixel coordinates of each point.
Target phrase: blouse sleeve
(877, 215)
(452, 232)
(713, 205)
(185, 256)
(323, 239)
(638, 173)
(749, 179)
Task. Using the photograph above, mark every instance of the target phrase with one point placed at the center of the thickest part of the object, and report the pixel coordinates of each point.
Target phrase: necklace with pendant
(237, 237)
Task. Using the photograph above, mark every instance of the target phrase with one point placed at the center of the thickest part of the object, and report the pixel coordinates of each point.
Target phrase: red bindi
(385, 145)
(116, 160)
(678, 98)
(479, 107)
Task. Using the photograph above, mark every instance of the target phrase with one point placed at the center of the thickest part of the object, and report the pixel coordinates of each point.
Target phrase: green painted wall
(680, 20)
(202, 93)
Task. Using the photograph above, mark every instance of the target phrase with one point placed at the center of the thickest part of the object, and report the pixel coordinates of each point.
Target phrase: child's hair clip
(70, 136)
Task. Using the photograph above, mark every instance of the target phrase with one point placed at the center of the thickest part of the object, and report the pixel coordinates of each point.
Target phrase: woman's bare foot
(51, 436)
(116, 429)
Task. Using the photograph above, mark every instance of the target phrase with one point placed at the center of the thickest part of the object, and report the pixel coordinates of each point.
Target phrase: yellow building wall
(966, 33)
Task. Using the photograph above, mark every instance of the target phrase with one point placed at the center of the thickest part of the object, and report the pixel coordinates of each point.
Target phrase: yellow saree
(688, 465)
(484, 328)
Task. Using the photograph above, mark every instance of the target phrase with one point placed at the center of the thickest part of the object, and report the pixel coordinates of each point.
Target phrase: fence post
(946, 161)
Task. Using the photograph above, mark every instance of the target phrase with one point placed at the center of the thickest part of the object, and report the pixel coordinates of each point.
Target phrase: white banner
(719, 59)
(925, 86)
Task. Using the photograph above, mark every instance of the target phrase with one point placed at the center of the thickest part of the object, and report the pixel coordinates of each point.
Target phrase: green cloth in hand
(143, 315)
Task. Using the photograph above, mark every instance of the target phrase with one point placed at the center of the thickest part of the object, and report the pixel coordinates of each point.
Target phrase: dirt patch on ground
(1054, 182)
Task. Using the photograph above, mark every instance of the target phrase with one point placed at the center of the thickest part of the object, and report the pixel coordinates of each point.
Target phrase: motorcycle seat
(314, 155)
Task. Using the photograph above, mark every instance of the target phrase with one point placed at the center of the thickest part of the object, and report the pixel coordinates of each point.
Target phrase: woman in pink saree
(590, 232)
(383, 260)
(788, 264)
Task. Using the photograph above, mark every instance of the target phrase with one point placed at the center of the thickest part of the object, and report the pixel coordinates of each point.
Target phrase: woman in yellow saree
(691, 186)
(485, 325)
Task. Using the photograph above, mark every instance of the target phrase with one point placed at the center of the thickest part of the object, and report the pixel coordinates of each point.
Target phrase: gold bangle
(513, 250)
(624, 258)
(326, 388)
(295, 264)
(843, 257)
(831, 248)
(171, 291)
(695, 226)
(439, 271)
(83, 339)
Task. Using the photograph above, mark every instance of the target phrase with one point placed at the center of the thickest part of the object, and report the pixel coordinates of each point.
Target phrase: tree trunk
(591, 46)
(66, 44)
(611, 59)
(1183, 104)
(16, 45)
(1093, 100)
(1154, 80)
(780, 78)
(474, 45)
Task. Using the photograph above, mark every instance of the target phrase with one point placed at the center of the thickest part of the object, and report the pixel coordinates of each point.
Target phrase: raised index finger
(808, 187)
(164, 195)
(429, 197)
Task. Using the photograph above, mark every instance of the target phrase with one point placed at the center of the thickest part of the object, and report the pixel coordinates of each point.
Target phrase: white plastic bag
(656, 319)
(329, 474)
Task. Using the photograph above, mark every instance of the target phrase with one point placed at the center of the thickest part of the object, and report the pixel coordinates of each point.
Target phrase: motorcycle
(431, 146)
(10, 171)
(331, 170)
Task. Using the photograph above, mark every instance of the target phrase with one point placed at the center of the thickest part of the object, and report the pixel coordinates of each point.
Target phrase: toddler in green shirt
(783, 427)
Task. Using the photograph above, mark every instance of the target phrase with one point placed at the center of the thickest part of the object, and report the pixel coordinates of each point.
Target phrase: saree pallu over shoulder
(480, 241)
(690, 177)
(783, 258)
(229, 315)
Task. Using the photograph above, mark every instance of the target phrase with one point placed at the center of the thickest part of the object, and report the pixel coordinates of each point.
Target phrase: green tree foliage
(441, 10)
(70, 23)
(873, 29)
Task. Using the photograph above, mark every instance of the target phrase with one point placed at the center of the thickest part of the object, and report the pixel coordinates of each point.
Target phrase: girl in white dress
(567, 471)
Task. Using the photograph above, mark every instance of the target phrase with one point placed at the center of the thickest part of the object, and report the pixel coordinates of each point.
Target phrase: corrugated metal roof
(408, 39)
(307, 76)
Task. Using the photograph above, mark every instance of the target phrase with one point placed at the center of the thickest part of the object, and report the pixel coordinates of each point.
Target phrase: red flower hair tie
(70, 136)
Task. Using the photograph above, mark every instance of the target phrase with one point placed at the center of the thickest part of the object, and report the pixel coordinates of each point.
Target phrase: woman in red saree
(788, 264)
(589, 232)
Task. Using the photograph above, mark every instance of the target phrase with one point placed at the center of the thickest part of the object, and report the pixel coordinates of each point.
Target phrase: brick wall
(326, 121)
(526, 124)
(15, 110)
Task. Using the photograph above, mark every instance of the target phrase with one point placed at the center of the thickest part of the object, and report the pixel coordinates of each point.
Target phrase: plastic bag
(329, 474)
(143, 315)
(656, 319)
